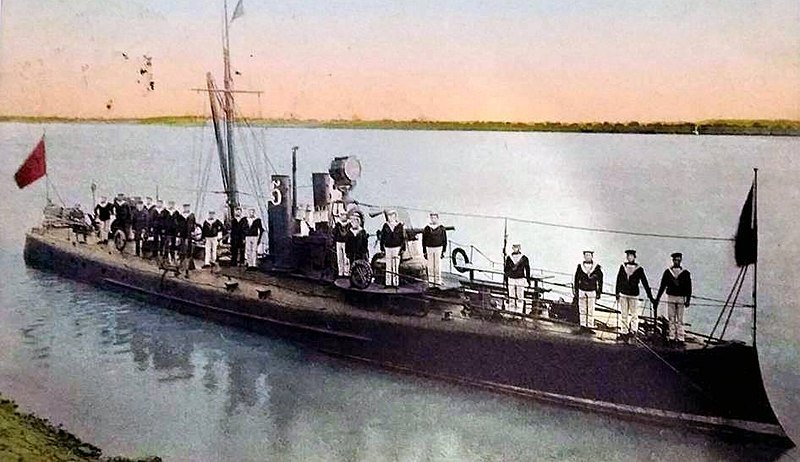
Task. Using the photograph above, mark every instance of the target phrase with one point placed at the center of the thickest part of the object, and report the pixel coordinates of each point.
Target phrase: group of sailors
(351, 242)
(173, 232)
(587, 288)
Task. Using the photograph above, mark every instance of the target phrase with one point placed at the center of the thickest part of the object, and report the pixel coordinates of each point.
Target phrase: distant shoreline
(705, 127)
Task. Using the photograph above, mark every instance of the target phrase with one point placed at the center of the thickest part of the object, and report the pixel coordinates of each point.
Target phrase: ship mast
(755, 262)
(224, 107)
(228, 109)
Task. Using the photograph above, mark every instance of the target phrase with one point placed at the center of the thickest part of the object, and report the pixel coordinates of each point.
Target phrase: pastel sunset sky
(519, 60)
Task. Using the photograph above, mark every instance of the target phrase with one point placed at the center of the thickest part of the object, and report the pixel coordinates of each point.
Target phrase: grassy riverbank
(703, 127)
(25, 437)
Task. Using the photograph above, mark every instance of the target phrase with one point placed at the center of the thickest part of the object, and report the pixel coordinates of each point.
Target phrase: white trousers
(434, 266)
(675, 309)
(629, 314)
(586, 307)
(392, 266)
(105, 228)
(250, 250)
(516, 294)
(211, 250)
(342, 262)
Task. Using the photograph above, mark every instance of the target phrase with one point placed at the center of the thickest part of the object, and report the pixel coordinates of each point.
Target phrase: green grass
(25, 437)
(705, 127)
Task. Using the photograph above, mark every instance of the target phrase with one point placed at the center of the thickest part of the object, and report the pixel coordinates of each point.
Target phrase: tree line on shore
(706, 127)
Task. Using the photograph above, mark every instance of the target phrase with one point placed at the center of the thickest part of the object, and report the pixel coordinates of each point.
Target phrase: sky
(514, 60)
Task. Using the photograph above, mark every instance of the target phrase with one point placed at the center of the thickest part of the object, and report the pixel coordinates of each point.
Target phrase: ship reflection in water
(136, 379)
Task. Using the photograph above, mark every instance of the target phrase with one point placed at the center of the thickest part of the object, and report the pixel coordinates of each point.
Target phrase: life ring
(459, 258)
(120, 240)
(360, 274)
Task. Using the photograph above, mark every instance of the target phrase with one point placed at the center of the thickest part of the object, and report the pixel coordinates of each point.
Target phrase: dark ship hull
(718, 388)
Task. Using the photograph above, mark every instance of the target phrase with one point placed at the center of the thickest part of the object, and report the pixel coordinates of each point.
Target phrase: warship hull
(718, 388)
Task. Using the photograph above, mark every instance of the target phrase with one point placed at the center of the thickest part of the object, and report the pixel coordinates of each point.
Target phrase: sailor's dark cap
(139, 201)
(677, 255)
(187, 205)
(120, 194)
(148, 197)
(211, 212)
(589, 251)
(630, 252)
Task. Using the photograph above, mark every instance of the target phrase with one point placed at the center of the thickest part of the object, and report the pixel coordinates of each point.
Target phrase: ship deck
(299, 293)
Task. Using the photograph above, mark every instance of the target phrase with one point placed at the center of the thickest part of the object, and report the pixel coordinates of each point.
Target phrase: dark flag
(33, 168)
(746, 245)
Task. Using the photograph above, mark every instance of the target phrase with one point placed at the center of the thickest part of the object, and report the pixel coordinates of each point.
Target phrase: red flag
(33, 168)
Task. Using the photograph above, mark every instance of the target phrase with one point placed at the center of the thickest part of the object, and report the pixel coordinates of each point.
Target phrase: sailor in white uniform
(517, 273)
(434, 246)
(340, 230)
(393, 243)
(677, 282)
(629, 277)
(212, 233)
(252, 238)
(587, 288)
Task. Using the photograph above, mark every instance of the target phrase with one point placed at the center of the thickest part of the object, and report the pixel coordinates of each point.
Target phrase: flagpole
(755, 263)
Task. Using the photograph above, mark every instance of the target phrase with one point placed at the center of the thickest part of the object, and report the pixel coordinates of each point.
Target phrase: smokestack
(281, 220)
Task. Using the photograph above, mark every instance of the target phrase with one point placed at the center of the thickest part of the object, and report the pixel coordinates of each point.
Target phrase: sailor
(78, 223)
(341, 233)
(212, 233)
(102, 212)
(629, 277)
(587, 288)
(677, 282)
(252, 237)
(393, 243)
(238, 225)
(356, 242)
(148, 203)
(434, 246)
(122, 212)
(140, 223)
(187, 224)
(517, 274)
(169, 230)
(157, 226)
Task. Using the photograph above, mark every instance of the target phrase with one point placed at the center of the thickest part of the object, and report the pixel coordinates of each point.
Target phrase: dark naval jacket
(356, 246)
(212, 229)
(123, 212)
(103, 212)
(155, 220)
(141, 220)
(168, 225)
(180, 224)
(520, 269)
(252, 230)
(629, 277)
(341, 231)
(588, 280)
(238, 226)
(186, 224)
(393, 237)
(676, 281)
(434, 237)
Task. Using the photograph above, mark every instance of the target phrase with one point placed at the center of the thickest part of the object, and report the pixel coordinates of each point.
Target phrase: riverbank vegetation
(25, 437)
(703, 127)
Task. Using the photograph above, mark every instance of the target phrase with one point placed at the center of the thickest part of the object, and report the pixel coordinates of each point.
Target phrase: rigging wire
(563, 226)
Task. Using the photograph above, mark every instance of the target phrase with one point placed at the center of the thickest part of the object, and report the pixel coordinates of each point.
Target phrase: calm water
(136, 379)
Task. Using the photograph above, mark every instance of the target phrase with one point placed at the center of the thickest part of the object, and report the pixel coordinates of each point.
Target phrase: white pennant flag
(238, 11)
